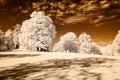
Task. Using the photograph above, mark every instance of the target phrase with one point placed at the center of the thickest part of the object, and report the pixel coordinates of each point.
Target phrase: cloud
(76, 19)
(72, 11)
(105, 6)
(98, 24)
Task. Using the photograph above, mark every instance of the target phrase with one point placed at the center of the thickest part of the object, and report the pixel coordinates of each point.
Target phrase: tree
(9, 37)
(86, 46)
(95, 49)
(1, 33)
(6, 40)
(16, 33)
(116, 44)
(3, 43)
(1, 40)
(37, 32)
(67, 43)
(108, 50)
(114, 48)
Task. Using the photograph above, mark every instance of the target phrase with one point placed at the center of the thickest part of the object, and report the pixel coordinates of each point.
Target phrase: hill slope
(58, 66)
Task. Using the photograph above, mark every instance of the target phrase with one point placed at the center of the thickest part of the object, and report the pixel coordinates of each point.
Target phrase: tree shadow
(57, 69)
(17, 55)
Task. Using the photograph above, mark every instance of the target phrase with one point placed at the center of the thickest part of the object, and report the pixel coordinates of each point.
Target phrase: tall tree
(37, 32)
(67, 43)
(16, 33)
(86, 46)
(9, 37)
(116, 44)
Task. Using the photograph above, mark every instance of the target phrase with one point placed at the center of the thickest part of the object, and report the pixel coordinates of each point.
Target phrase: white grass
(109, 70)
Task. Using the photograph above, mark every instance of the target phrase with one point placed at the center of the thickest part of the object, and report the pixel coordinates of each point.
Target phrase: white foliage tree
(86, 46)
(1, 33)
(67, 43)
(95, 49)
(9, 37)
(16, 33)
(8, 33)
(116, 44)
(37, 32)
(108, 50)
(114, 48)
(2, 44)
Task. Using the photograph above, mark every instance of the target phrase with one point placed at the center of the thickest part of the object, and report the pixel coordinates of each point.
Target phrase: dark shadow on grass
(50, 67)
(17, 55)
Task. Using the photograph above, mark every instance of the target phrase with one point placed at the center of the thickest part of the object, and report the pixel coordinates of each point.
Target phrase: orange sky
(101, 22)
